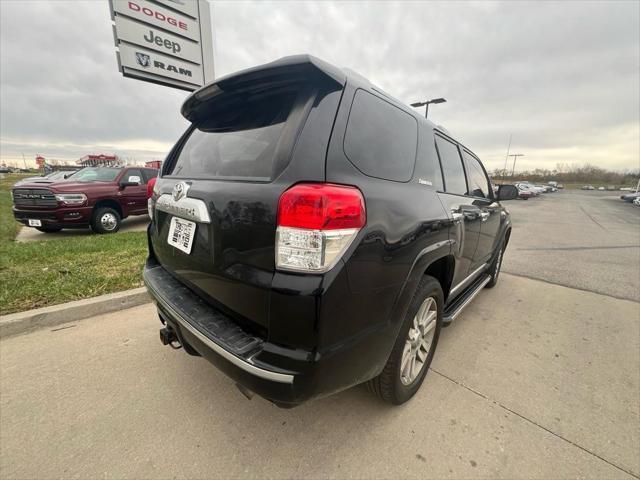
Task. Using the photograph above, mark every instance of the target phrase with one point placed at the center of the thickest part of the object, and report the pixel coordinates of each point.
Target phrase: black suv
(311, 233)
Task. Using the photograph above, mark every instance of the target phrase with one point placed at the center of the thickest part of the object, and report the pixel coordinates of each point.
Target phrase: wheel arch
(108, 203)
(436, 261)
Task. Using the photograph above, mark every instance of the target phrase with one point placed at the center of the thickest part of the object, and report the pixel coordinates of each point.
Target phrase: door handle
(484, 216)
(456, 214)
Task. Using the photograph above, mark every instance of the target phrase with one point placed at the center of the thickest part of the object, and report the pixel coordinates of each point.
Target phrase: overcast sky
(563, 78)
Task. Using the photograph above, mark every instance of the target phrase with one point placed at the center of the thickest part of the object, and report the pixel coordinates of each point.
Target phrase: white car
(528, 188)
(601, 188)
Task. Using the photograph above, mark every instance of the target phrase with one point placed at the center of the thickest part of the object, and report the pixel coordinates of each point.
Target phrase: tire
(393, 385)
(105, 220)
(495, 267)
(48, 229)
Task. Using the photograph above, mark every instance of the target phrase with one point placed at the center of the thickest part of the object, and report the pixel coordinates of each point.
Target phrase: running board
(459, 304)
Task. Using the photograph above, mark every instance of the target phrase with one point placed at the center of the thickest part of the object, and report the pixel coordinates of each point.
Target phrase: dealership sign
(164, 41)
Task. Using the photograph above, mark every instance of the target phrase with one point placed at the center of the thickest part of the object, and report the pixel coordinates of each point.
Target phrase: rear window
(239, 139)
(381, 139)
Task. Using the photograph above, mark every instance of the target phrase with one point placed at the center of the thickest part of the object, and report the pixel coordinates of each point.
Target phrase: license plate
(181, 233)
(35, 223)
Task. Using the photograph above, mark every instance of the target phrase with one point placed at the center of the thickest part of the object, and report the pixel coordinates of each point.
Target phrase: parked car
(601, 188)
(630, 197)
(524, 193)
(99, 197)
(284, 261)
(529, 188)
(49, 178)
(611, 188)
(588, 187)
(560, 186)
(627, 189)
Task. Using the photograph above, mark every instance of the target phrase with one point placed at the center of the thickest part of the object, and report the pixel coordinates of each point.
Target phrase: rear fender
(431, 255)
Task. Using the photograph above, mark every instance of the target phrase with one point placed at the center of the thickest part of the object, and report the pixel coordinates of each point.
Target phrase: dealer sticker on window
(181, 233)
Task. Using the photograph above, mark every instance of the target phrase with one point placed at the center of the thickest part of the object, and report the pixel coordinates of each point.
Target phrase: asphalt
(533, 380)
(29, 234)
(581, 239)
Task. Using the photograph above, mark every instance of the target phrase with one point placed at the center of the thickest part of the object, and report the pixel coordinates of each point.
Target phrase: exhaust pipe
(245, 391)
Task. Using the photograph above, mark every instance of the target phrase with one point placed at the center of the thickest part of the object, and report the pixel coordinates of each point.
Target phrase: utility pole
(24, 160)
(515, 157)
(504, 170)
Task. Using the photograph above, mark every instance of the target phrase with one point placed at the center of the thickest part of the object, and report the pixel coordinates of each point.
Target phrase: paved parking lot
(534, 380)
(581, 239)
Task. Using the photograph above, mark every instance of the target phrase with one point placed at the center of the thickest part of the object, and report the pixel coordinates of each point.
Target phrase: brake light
(316, 224)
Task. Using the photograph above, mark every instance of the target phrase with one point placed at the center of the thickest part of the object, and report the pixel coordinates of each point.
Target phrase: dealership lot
(539, 377)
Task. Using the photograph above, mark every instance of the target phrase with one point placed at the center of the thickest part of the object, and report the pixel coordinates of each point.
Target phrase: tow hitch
(168, 337)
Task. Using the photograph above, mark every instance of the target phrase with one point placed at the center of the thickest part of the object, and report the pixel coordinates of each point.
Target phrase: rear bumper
(65, 217)
(249, 360)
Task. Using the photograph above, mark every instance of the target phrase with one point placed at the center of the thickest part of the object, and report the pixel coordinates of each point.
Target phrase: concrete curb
(31, 320)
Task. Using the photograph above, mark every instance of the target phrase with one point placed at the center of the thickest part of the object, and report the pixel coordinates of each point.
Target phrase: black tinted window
(478, 183)
(454, 180)
(148, 174)
(238, 141)
(428, 166)
(96, 174)
(380, 139)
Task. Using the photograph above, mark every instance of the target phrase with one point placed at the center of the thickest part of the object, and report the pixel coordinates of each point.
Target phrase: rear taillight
(316, 224)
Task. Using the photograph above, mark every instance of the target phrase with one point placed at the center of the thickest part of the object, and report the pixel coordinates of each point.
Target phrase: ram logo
(143, 59)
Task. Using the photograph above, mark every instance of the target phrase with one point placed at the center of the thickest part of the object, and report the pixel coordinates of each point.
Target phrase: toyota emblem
(180, 190)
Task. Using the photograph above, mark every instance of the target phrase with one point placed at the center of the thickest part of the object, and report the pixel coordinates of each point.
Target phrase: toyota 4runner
(311, 233)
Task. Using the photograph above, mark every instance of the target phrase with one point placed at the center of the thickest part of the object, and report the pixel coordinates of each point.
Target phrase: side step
(452, 311)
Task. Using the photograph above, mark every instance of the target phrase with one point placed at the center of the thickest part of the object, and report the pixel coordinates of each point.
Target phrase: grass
(37, 274)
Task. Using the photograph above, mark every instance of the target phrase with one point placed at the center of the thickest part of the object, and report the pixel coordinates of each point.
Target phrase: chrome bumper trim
(187, 208)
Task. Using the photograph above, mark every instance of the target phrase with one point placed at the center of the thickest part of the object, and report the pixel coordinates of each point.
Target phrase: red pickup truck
(99, 197)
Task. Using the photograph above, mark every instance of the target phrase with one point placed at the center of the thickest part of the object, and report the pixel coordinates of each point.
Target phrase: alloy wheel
(419, 341)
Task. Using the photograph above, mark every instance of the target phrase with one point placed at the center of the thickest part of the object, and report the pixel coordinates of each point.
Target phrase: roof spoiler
(285, 69)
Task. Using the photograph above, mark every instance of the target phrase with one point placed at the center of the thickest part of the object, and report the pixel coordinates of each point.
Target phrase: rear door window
(148, 174)
(478, 183)
(381, 139)
(452, 169)
(238, 140)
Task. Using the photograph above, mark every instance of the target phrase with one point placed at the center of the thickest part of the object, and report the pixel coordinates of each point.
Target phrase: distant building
(153, 164)
(101, 160)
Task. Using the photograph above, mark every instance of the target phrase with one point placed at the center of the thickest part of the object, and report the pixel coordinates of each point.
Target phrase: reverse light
(71, 198)
(316, 224)
(150, 207)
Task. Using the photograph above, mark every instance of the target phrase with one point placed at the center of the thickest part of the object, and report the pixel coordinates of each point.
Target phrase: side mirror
(125, 184)
(507, 192)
